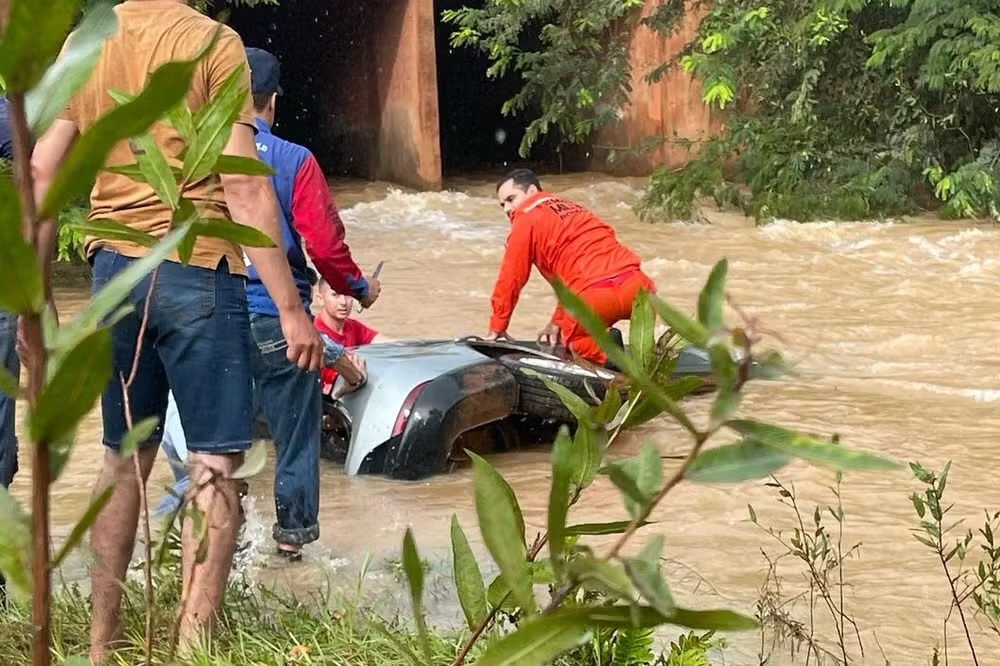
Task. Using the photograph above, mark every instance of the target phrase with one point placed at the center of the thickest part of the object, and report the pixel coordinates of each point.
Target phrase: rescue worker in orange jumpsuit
(563, 240)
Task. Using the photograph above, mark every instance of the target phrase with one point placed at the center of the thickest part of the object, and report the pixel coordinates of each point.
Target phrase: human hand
(305, 347)
(494, 336)
(355, 365)
(374, 289)
(549, 335)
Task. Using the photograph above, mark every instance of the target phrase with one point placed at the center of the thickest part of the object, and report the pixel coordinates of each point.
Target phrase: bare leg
(214, 494)
(112, 538)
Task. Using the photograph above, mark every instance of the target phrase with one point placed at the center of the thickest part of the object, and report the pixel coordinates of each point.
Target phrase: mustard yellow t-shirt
(151, 33)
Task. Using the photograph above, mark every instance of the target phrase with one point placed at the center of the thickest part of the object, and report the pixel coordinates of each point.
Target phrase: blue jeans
(8, 434)
(197, 337)
(291, 402)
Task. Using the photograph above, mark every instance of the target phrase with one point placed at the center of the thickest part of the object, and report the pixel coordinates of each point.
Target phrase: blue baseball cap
(265, 72)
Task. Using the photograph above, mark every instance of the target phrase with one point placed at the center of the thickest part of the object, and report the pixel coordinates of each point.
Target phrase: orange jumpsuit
(563, 239)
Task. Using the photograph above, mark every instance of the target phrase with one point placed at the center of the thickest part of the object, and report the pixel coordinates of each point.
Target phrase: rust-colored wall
(673, 105)
(408, 140)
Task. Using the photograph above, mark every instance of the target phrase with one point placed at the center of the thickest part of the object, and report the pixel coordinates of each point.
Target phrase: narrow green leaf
(167, 86)
(502, 526)
(155, 169)
(498, 594)
(241, 234)
(64, 77)
(770, 365)
(254, 461)
(644, 572)
(725, 370)
(59, 452)
(35, 33)
(15, 547)
(752, 513)
(734, 463)
(21, 289)
(538, 641)
(138, 435)
(918, 504)
(559, 495)
(616, 527)
(414, 570)
(610, 406)
(242, 165)
(639, 477)
(574, 403)
(712, 297)
(623, 617)
(601, 576)
(468, 577)
(185, 215)
(806, 447)
(213, 125)
(111, 230)
(646, 408)
(9, 384)
(641, 340)
(589, 445)
(688, 328)
(82, 526)
(180, 118)
(595, 326)
(110, 297)
(74, 388)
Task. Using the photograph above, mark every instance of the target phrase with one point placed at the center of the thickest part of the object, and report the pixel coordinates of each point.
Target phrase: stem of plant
(143, 500)
(31, 328)
(958, 605)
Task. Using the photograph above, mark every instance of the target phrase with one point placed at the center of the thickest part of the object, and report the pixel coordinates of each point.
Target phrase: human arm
(252, 201)
(317, 220)
(49, 152)
(515, 269)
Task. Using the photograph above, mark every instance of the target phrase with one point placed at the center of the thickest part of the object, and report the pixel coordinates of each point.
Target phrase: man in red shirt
(334, 320)
(563, 240)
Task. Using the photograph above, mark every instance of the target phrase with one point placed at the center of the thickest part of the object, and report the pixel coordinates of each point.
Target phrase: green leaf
(110, 297)
(180, 118)
(15, 547)
(74, 388)
(559, 495)
(690, 329)
(213, 125)
(595, 326)
(918, 504)
(9, 384)
(468, 577)
(734, 463)
(111, 230)
(35, 33)
(589, 445)
(712, 297)
(185, 214)
(59, 451)
(726, 376)
(601, 576)
(167, 86)
(502, 526)
(138, 435)
(64, 77)
(644, 572)
(609, 407)
(639, 477)
(241, 234)
(574, 403)
(616, 527)
(254, 461)
(82, 526)
(624, 617)
(155, 169)
(641, 340)
(21, 289)
(242, 165)
(646, 408)
(806, 447)
(415, 576)
(770, 365)
(538, 641)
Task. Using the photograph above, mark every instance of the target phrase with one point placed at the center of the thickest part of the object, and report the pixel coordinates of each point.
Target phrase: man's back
(571, 242)
(150, 34)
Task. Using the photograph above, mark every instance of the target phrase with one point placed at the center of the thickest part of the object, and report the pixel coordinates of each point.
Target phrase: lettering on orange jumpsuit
(565, 240)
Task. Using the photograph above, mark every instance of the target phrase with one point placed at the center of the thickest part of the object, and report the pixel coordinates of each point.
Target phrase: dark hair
(523, 178)
(260, 100)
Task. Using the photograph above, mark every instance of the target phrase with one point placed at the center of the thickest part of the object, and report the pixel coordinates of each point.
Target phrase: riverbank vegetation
(848, 109)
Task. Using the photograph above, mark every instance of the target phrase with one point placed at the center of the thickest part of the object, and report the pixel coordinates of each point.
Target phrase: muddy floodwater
(894, 327)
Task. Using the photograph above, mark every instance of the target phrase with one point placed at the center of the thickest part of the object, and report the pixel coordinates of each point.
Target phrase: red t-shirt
(354, 334)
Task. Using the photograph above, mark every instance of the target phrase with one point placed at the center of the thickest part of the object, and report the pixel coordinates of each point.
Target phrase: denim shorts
(197, 341)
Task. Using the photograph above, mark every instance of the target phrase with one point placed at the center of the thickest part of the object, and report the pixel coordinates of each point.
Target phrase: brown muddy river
(894, 327)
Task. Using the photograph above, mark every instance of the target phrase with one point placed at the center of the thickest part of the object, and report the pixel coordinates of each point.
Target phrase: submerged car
(426, 401)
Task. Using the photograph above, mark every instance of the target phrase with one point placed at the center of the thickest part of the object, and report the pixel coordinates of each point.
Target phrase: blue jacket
(310, 224)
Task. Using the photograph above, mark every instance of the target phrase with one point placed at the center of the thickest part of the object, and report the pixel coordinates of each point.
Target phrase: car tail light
(404, 411)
